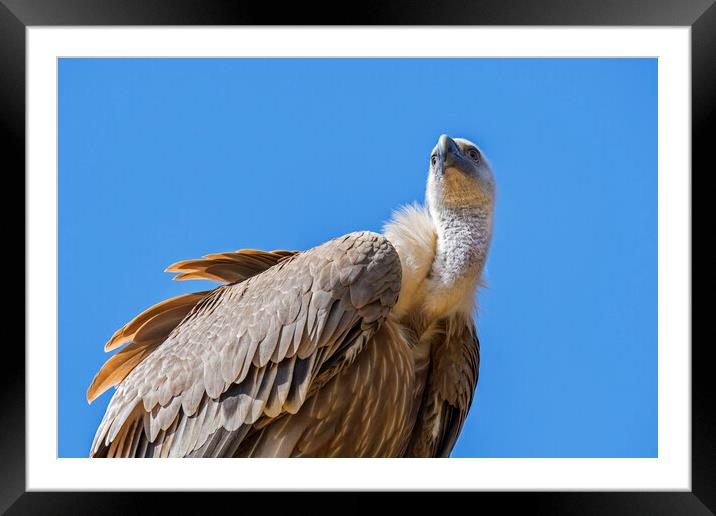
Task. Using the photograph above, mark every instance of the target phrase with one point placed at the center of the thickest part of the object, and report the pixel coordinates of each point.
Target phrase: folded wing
(452, 378)
(251, 350)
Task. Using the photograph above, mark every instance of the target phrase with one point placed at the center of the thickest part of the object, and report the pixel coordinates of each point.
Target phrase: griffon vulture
(364, 346)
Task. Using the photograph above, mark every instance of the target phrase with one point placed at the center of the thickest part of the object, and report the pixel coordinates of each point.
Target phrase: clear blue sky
(168, 159)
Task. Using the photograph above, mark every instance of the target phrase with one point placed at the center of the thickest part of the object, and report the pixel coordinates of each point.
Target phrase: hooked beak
(447, 150)
(448, 154)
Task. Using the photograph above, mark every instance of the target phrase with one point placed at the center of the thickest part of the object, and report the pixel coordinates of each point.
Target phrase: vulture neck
(463, 240)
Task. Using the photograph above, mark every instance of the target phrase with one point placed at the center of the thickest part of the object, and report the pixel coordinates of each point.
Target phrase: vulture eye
(474, 156)
(433, 159)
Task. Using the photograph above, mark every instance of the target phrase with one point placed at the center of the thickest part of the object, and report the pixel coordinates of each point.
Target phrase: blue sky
(167, 159)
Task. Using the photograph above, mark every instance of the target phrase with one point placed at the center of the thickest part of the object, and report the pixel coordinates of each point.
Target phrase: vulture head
(460, 176)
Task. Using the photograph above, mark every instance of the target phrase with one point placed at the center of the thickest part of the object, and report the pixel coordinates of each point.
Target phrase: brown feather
(160, 326)
(229, 267)
(127, 332)
(205, 275)
(117, 368)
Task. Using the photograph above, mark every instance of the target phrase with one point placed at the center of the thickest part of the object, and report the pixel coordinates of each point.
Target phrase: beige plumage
(363, 346)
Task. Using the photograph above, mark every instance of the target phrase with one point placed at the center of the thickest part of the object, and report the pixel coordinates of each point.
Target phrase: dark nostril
(433, 160)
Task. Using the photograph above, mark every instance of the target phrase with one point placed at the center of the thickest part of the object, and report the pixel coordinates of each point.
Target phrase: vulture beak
(448, 154)
(447, 148)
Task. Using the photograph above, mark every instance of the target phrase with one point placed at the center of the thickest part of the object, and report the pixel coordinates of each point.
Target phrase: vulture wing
(252, 350)
(454, 367)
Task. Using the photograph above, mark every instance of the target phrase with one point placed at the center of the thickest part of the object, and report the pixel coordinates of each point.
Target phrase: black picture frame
(16, 15)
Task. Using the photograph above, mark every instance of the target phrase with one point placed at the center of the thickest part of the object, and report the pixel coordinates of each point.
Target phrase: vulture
(364, 346)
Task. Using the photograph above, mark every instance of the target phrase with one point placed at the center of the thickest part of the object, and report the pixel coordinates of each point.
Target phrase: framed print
(453, 242)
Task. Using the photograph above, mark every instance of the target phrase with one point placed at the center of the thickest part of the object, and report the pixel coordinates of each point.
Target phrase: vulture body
(364, 346)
